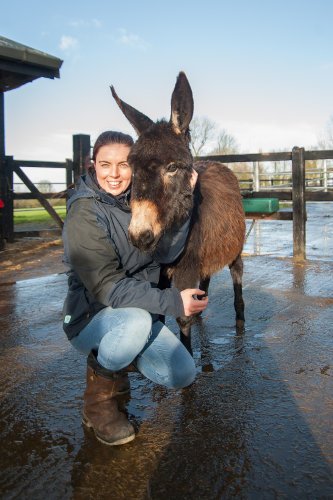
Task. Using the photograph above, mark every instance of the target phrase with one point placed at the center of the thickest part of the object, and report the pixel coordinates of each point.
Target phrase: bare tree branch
(45, 186)
(326, 139)
(202, 131)
(226, 144)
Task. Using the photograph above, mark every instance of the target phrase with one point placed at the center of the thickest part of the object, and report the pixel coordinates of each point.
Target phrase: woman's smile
(113, 173)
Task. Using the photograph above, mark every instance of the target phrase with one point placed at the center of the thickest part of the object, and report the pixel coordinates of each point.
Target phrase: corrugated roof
(20, 64)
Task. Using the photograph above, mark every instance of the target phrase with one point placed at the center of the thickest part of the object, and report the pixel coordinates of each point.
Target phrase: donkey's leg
(184, 323)
(184, 278)
(236, 270)
(204, 285)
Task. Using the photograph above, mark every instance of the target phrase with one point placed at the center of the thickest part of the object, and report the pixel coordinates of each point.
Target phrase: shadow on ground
(256, 423)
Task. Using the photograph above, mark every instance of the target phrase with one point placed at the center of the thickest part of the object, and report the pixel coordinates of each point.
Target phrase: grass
(30, 215)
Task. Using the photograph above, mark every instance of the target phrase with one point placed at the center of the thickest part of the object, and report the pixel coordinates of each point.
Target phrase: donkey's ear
(138, 120)
(181, 105)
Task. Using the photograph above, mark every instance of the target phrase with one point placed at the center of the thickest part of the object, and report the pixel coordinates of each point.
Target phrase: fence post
(8, 210)
(2, 167)
(69, 178)
(81, 154)
(299, 208)
(325, 175)
(69, 173)
(256, 178)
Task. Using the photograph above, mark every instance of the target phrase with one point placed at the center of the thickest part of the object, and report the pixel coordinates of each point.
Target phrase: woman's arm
(92, 256)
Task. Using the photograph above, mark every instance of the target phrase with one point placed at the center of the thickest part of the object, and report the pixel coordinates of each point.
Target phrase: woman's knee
(124, 341)
(138, 320)
(165, 360)
(126, 323)
(184, 375)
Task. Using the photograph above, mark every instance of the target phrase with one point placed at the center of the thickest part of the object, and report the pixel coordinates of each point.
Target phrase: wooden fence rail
(9, 166)
(323, 154)
(75, 167)
(298, 194)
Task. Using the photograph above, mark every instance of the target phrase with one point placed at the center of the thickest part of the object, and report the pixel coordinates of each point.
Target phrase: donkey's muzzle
(144, 240)
(145, 228)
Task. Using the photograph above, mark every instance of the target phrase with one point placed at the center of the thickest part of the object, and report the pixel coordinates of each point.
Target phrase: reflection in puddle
(219, 341)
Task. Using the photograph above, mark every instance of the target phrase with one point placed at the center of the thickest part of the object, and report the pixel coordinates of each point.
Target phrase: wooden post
(2, 167)
(2, 124)
(69, 179)
(325, 175)
(299, 209)
(256, 178)
(69, 173)
(81, 154)
(9, 200)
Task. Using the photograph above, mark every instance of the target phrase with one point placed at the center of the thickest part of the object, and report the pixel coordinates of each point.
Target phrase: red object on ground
(1, 203)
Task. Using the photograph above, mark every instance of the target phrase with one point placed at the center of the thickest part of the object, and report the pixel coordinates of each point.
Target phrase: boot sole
(114, 443)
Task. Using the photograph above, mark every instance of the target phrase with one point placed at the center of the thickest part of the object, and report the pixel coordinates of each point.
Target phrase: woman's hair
(111, 137)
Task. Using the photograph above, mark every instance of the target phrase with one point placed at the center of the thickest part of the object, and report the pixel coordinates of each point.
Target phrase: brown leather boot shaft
(122, 384)
(101, 409)
(107, 387)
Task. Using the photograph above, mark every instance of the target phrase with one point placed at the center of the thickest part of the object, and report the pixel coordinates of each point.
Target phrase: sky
(261, 69)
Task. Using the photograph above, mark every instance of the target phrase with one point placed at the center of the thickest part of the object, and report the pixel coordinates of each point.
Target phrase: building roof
(20, 64)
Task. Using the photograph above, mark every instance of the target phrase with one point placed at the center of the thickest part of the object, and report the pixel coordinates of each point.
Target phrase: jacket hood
(87, 187)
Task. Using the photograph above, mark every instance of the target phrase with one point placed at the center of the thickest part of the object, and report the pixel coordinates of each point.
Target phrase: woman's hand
(194, 178)
(192, 305)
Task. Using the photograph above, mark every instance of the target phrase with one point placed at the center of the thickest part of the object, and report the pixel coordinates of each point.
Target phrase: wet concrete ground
(257, 422)
(275, 238)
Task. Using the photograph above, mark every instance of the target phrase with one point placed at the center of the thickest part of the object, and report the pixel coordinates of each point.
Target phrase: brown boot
(122, 383)
(101, 411)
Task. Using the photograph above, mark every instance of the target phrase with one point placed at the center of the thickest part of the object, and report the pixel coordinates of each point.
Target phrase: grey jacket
(105, 269)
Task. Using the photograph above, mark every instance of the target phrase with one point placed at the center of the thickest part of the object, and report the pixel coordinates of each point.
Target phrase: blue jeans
(129, 335)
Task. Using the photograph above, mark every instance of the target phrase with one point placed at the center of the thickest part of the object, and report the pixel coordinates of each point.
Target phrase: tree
(226, 144)
(202, 131)
(326, 140)
(45, 186)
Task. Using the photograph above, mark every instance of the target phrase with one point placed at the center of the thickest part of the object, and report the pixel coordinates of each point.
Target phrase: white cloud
(78, 23)
(96, 23)
(68, 43)
(81, 23)
(131, 40)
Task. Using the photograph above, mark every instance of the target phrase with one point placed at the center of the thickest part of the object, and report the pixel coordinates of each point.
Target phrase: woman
(113, 303)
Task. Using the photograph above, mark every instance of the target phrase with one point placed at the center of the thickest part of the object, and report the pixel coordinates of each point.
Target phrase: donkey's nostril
(143, 240)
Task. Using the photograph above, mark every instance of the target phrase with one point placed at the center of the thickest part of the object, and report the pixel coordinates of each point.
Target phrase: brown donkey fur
(162, 200)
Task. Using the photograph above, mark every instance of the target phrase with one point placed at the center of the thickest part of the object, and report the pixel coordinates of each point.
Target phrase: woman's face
(113, 172)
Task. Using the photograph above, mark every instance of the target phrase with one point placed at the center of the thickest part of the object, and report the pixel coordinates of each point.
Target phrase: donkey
(162, 199)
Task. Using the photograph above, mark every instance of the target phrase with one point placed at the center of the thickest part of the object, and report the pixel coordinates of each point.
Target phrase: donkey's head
(162, 165)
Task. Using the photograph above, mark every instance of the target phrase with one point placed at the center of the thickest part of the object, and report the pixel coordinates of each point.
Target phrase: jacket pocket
(76, 307)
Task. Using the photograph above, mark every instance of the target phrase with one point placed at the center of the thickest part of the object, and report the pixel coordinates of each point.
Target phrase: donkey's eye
(172, 168)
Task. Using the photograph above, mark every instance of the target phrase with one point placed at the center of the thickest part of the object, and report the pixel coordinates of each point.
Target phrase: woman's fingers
(191, 304)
